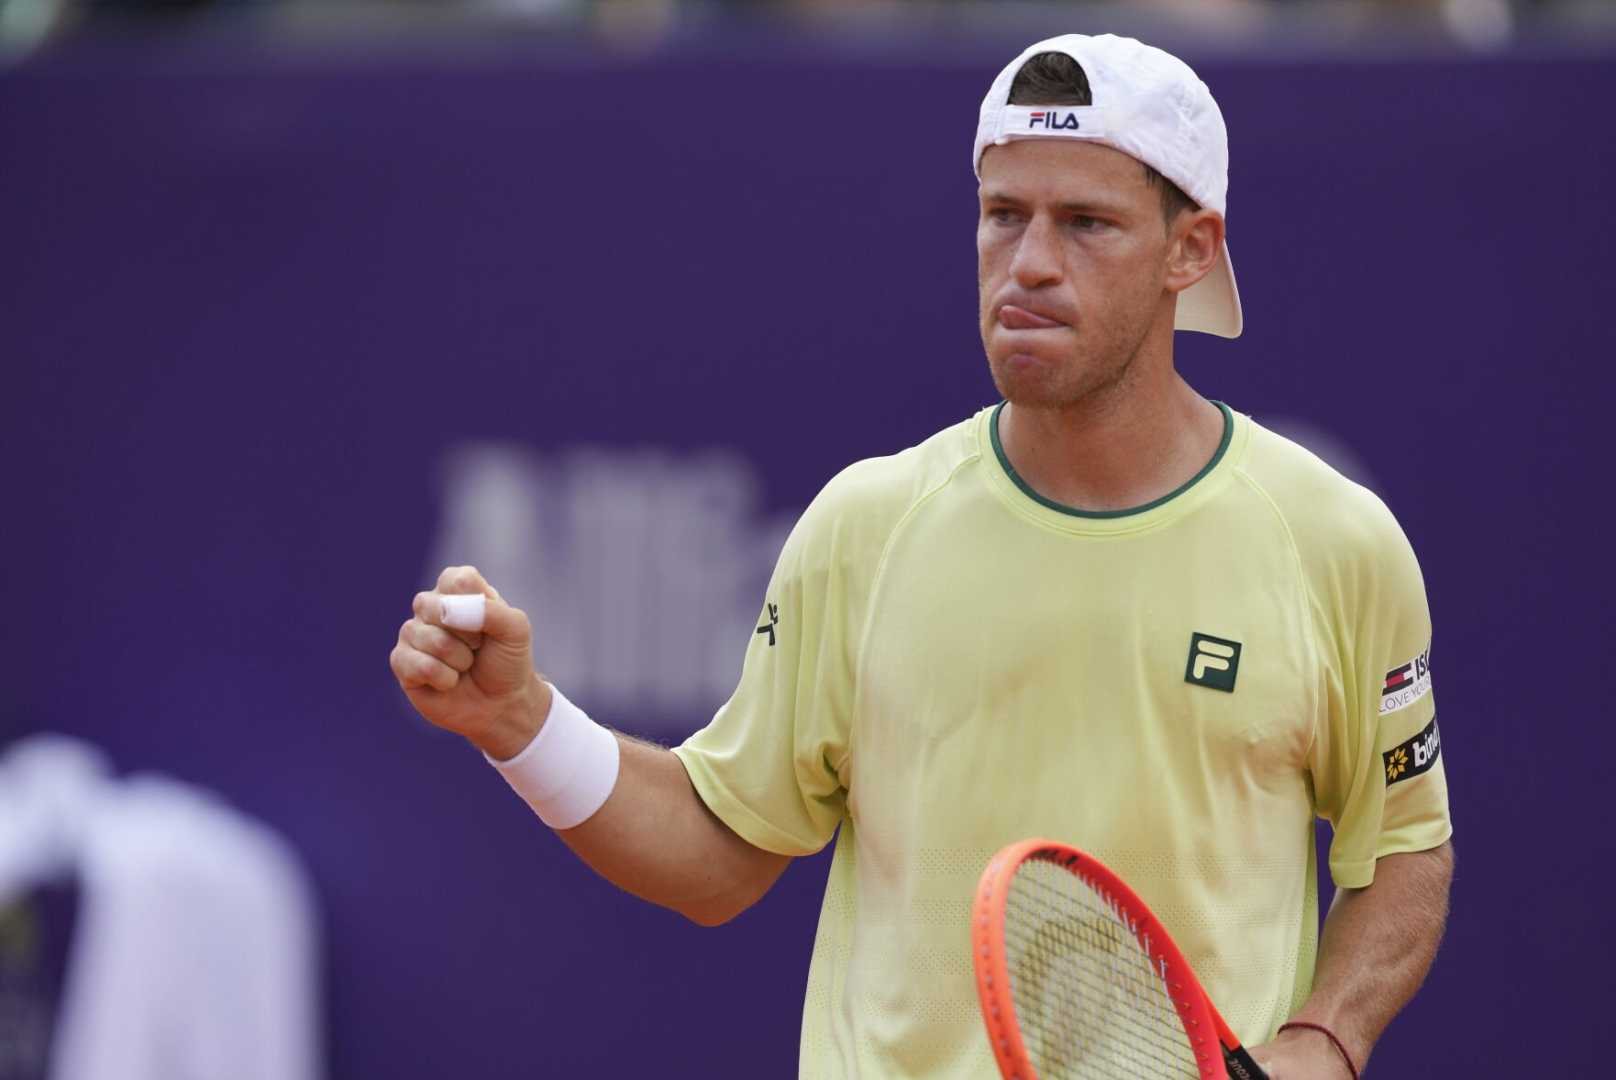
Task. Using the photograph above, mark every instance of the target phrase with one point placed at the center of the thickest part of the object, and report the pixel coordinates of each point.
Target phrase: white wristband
(569, 769)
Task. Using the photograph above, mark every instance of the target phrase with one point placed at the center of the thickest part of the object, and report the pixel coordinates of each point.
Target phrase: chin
(1030, 380)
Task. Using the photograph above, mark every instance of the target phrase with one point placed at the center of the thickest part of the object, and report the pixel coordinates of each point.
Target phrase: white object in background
(640, 569)
(195, 951)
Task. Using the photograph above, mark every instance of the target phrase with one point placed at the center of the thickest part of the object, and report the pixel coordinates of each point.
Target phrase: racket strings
(1090, 1002)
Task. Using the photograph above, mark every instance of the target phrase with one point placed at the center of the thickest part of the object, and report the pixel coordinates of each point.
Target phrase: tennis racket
(1078, 979)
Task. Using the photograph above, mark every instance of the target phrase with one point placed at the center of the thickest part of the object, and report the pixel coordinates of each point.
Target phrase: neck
(1119, 447)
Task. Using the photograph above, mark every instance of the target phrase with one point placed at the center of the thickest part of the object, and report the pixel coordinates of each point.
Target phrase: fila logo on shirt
(1214, 662)
(1060, 121)
(1414, 757)
(1407, 684)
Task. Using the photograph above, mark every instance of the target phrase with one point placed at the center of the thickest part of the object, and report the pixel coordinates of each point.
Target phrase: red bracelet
(1328, 1034)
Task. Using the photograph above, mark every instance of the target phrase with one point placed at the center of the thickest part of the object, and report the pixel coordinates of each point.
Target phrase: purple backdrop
(247, 305)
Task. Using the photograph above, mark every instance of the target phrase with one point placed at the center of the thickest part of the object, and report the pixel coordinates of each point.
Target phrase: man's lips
(1012, 317)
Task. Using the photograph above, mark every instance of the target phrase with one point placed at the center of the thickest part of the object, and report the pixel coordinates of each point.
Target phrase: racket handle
(1240, 1066)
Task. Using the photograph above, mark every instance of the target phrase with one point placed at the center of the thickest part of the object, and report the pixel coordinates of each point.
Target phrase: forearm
(653, 836)
(656, 838)
(1376, 948)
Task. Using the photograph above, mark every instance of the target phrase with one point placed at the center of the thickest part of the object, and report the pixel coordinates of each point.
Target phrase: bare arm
(1377, 947)
(657, 839)
(654, 836)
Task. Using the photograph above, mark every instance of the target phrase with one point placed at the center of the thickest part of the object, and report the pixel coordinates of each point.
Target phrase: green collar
(1026, 489)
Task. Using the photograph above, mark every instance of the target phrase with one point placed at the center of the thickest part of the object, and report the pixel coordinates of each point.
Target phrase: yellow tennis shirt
(946, 662)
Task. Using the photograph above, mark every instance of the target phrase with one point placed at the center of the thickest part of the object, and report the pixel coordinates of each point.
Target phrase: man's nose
(1037, 258)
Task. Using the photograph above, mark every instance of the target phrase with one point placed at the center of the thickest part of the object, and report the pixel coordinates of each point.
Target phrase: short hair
(1053, 78)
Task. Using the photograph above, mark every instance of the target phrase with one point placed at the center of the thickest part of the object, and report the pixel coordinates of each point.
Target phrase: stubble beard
(1085, 378)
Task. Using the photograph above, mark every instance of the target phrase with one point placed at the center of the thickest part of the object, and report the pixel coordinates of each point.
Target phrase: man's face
(1071, 262)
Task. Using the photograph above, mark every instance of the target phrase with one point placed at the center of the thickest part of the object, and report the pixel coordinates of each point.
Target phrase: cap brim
(1212, 305)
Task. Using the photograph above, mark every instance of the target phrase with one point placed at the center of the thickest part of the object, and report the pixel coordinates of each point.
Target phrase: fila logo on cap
(1214, 662)
(1056, 121)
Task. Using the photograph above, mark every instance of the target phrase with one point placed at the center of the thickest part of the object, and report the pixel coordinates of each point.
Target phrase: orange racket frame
(1218, 1054)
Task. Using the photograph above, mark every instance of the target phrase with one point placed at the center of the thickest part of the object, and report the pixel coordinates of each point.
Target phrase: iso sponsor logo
(1406, 684)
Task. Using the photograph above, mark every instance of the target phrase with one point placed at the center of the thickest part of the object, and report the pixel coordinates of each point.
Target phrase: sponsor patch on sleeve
(1407, 684)
(1416, 756)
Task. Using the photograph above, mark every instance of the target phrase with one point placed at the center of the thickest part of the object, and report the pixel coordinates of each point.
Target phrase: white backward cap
(1151, 106)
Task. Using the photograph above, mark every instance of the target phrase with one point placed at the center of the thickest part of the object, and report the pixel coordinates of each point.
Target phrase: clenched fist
(480, 684)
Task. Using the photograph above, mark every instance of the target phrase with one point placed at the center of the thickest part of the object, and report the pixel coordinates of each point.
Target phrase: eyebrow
(1071, 206)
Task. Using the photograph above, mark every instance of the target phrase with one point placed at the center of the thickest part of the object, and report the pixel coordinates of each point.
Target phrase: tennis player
(1105, 610)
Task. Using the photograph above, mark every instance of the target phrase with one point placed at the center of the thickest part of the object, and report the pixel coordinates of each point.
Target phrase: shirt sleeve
(773, 762)
(1376, 761)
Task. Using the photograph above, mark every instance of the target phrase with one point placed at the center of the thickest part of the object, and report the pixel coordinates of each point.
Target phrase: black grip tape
(1238, 1064)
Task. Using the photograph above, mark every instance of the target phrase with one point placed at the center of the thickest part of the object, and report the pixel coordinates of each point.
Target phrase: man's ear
(1196, 240)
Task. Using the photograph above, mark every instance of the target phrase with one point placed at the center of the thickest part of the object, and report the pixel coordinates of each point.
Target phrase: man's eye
(1001, 215)
(1086, 223)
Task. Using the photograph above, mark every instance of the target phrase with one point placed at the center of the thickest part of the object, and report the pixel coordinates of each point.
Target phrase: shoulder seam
(975, 454)
(1306, 592)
